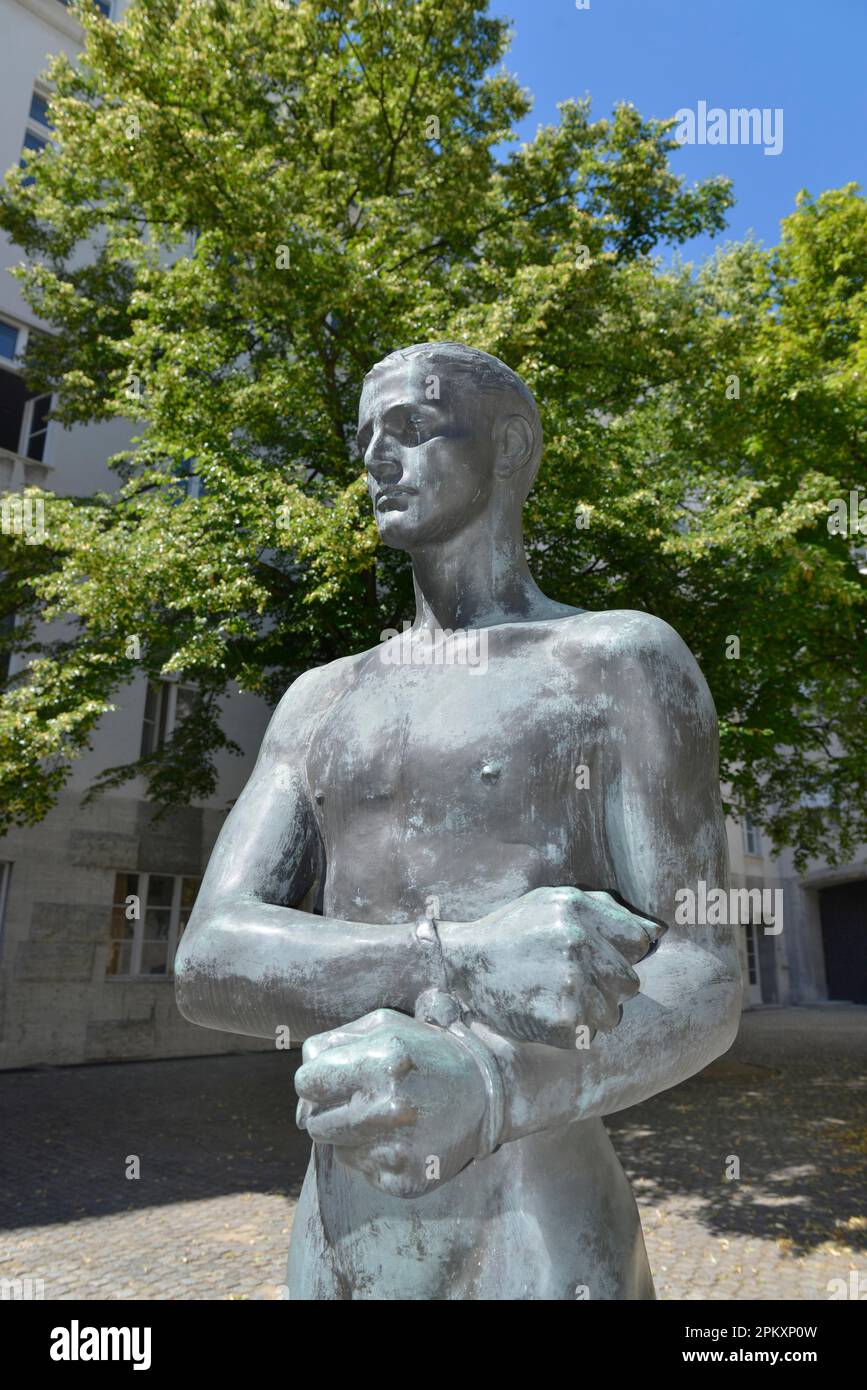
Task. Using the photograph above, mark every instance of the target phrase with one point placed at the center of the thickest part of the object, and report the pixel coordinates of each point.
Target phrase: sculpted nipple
(319, 796)
(491, 772)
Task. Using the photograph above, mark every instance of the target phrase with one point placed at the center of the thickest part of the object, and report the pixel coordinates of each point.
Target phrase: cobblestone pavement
(221, 1165)
(789, 1103)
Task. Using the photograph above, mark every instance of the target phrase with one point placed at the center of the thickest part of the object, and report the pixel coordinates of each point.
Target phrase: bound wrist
(442, 944)
(443, 1010)
(455, 942)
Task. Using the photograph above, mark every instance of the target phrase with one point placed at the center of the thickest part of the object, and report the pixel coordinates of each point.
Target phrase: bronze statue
(456, 881)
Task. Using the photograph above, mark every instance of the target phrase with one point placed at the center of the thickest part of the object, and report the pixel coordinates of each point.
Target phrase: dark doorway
(844, 933)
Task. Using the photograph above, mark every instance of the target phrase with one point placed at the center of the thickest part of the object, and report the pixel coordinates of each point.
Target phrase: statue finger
(628, 932)
(347, 1032)
(333, 1077)
(366, 1123)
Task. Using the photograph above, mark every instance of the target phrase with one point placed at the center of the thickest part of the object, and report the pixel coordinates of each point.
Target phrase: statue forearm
(252, 968)
(686, 1014)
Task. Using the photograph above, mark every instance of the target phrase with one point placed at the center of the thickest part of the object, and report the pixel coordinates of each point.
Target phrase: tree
(246, 205)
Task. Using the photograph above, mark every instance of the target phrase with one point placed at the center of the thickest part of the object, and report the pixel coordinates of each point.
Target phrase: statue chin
(402, 528)
(399, 531)
(395, 537)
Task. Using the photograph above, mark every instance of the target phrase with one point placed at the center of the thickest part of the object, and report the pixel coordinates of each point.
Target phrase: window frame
(38, 130)
(752, 838)
(165, 719)
(28, 432)
(16, 329)
(12, 365)
(139, 941)
(107, 12)
(752, 952)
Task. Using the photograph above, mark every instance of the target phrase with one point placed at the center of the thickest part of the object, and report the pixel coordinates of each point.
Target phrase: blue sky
(808, 57)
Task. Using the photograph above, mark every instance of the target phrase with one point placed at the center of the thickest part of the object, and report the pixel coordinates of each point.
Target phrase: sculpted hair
(489, 375)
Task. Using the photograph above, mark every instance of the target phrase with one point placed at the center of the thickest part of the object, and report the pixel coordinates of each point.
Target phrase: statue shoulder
(642, 655)
(307, 697)
(630, 633)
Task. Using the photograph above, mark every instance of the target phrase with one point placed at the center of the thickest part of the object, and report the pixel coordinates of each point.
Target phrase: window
(149, 914)
(752, 838)
(194, 485)
(8, 340)
(816, 800)
(24, 422)
(104, 5)
(190, 483)
(752, 967)
(32, 141)
(38, 129)
(13, 399)
(39, 110)
(36, 428)
(166, 704)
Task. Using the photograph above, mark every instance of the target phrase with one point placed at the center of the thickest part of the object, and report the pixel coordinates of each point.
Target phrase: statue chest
(454, 747)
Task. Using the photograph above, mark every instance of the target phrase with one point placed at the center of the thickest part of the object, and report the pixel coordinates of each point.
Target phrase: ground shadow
(201, 1128)
(788, 1103)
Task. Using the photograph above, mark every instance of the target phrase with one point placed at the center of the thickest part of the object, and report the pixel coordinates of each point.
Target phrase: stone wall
(56, 1004)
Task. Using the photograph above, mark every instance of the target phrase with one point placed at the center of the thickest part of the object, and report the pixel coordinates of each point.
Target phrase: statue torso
(473, 783)
(464, 783)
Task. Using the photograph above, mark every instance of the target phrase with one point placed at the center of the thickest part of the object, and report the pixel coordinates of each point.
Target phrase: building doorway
(843, 911)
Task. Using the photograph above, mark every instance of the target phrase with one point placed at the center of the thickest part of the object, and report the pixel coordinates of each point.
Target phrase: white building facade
(81, 980)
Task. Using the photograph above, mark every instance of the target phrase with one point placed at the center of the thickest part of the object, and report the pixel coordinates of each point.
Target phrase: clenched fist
(555, 961)
(403, 1102)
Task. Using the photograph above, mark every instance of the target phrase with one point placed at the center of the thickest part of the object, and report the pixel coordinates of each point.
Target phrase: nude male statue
(417, 883)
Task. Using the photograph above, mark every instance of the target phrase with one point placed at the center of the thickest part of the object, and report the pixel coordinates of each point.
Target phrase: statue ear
(515, 444)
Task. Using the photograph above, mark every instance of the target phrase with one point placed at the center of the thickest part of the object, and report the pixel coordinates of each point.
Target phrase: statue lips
(392, 495)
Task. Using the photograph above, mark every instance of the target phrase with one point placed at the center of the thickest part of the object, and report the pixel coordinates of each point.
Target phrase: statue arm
(251, 959)
(665, 831)
(685, 1015)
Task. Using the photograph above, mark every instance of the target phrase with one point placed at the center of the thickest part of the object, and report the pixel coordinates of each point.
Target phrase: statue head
(448, 434)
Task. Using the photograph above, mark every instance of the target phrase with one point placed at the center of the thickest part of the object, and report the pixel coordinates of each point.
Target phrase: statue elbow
(186, 990)
(193, 979)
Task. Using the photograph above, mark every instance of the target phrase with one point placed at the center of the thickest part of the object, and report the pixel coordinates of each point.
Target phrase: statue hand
(401, 1101)
(550, 963)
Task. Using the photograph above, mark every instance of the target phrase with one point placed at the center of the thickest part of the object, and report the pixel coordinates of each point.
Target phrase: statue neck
(475, 580)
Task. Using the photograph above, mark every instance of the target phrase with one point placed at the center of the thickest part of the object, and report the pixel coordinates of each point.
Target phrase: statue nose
(383, 468)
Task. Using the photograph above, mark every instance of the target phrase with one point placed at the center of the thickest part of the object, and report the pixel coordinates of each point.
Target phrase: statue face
(430, 463)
